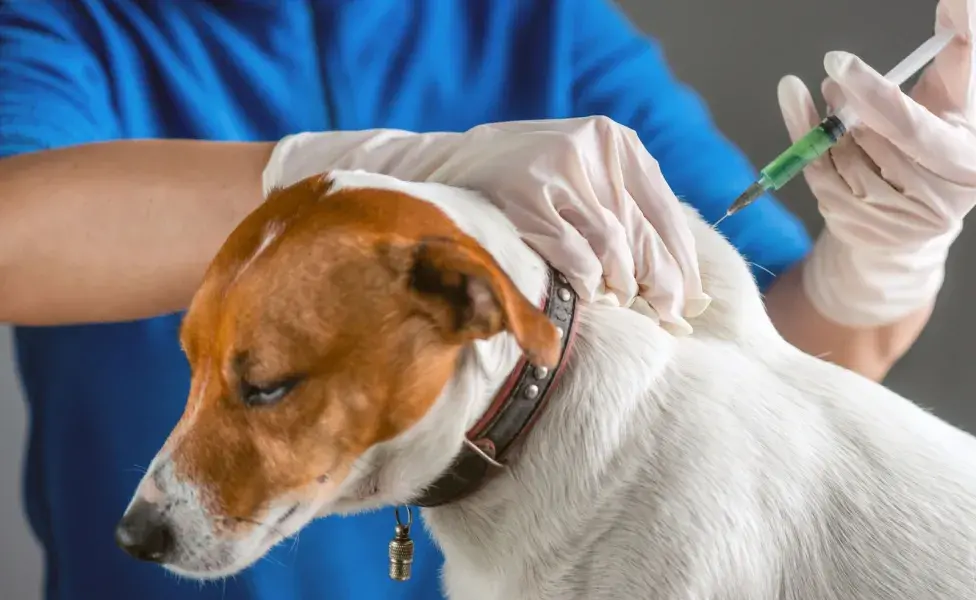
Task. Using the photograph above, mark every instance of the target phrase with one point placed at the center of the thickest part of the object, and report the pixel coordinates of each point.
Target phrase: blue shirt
(102, 398)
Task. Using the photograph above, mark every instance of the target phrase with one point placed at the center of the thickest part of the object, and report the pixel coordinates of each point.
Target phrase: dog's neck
(396, 471)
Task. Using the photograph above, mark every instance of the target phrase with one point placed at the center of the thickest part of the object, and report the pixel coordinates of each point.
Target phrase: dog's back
(890, 503)
(770, 474)
(793, 479)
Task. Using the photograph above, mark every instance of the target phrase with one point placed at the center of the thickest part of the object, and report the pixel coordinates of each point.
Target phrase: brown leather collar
(513, 411)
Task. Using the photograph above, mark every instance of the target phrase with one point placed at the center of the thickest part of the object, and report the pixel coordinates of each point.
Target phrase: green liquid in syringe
(804, 151)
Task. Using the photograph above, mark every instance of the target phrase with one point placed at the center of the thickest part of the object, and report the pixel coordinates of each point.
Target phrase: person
(102, 244)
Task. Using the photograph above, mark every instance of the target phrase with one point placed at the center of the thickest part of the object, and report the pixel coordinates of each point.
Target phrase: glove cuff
(287, 166)
(866, 288)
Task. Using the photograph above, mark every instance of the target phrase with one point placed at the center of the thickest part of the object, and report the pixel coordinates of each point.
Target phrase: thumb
(959, 16)
(947, 84)
(796, 104)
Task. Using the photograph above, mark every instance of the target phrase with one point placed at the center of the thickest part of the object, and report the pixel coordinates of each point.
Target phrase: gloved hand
(584, 193)
(894, 192)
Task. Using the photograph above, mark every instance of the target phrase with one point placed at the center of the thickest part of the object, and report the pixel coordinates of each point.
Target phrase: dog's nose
(144, 533)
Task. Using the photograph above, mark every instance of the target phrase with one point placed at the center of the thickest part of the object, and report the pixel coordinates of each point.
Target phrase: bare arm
(119, 230)
(95, 231)
(871, 351)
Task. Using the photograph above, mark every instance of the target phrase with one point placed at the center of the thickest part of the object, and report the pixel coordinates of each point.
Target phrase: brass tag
(401, 549)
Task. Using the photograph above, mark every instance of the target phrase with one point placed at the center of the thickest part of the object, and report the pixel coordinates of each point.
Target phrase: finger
(946, 86)
(832, 94)
(642, 306)
(662, 282)
(619, 152)
(959, 16)
(796, 104)
(570, 255)
(925, 199)
(882, 106)
(545, 231)
(656, 273)
(823, 175)
(799, 113)
(871, 212)
(956, 64)
(576, 197)
(653, 196)
(645, 211)
(609, 243)
(866, 172)
(860, 197)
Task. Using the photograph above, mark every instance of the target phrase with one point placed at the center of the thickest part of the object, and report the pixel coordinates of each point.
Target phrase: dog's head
(328, 323)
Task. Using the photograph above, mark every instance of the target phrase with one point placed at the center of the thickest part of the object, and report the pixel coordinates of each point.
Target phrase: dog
(355, 329)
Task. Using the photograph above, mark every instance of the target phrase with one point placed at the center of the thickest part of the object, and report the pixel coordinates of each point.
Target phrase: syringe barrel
(804, 151)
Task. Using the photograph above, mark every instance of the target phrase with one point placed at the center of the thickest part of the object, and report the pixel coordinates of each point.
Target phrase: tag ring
(396, 511)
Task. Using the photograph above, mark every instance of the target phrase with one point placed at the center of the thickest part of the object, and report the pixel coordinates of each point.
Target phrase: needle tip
(748, 197)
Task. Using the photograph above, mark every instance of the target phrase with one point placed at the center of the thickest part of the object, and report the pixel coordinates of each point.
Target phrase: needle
(822, 138)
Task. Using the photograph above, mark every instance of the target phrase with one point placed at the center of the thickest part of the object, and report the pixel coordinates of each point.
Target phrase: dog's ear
(467, 294)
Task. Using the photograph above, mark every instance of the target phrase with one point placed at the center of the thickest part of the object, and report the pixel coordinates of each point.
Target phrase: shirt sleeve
(619, 73)
(54, 89)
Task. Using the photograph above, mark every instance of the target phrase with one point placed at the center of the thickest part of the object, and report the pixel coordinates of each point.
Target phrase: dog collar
(513, 411)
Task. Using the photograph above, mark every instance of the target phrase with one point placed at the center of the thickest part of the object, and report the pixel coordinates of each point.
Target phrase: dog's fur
(726, 465)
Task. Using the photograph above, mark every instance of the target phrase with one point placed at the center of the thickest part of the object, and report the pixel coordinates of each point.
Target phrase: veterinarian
(98, 241)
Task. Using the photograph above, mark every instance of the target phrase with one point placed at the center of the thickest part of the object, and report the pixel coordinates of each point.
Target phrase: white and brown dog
(359, 337)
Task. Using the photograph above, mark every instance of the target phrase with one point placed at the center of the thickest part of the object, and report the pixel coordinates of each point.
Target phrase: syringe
(822, 138)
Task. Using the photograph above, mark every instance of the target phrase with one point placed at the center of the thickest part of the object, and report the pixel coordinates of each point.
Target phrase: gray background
(733, 53)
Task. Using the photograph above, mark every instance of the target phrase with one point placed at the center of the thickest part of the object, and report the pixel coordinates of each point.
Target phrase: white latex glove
(894, 192)
(584, 193)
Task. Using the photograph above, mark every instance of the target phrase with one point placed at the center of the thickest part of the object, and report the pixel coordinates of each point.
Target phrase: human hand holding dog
(584, 193)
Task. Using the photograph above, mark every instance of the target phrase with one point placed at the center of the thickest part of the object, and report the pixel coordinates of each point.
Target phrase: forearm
(868, 351)
(119, 230)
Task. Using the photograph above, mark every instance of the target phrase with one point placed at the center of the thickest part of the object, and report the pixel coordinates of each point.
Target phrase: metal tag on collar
(401, 548)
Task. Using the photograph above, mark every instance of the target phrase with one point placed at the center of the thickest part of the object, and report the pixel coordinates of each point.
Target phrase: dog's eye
(263, 395)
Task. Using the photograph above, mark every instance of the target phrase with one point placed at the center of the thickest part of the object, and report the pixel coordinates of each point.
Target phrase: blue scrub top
(102, 398)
